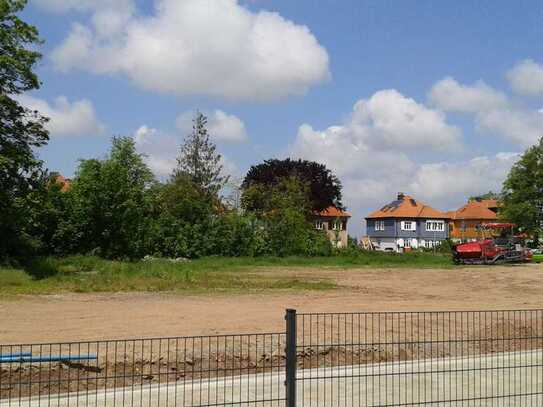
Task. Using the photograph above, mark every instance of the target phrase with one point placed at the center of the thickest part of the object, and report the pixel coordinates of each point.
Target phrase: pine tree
(199, 159)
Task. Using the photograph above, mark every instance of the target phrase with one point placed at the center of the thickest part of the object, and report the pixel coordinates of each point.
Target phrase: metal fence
(185, 371)
(492, 358)
(486, 358)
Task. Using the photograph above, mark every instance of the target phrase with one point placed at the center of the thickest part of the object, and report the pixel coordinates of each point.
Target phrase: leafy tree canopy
(21, 130)
(110, 202)
(488, 195)
(523, 190)
(324, 188)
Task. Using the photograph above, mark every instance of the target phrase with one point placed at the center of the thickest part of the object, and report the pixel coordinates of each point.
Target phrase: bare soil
(323, 340)
(75, 317)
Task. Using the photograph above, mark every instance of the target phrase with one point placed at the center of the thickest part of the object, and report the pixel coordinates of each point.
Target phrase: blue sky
(430, 98)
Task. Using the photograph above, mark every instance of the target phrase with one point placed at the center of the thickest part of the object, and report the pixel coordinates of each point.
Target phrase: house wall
(390, 228)
(393, 229)
(339, 237)
(470, 229)
(393, 232)
(430, 234)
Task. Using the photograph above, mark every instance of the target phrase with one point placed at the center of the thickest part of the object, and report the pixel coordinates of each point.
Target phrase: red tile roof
(333, 212)
(407, 207)
(476, 210)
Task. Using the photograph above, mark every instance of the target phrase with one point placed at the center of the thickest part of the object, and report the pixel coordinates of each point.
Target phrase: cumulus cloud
(211, 47)
(222, 127)
(526, 78)
(480, 174)
(387, 121)
(493, 112)
(450, 95)
(108, 17)
(67, 118)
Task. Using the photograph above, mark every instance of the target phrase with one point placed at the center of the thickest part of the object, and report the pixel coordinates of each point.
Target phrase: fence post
(290, 351)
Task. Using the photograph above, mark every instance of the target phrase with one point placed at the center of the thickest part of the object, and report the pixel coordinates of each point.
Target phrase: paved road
(487, 381)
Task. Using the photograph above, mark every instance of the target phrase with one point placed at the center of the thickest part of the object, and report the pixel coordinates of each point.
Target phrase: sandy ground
(110, 316)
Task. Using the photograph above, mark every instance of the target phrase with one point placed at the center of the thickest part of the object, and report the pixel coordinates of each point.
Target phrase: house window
(435, 226)
(319, 225)
(379, 225)
(407, 242)
(344, 225)
(408, 225)
(336, 225)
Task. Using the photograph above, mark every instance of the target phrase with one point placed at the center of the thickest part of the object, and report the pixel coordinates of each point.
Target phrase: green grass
(207, 275)
(538, 258)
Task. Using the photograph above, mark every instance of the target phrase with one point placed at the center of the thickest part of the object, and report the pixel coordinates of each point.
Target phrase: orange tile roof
(476, 210)
(490, 203)
(407, 207)
(65, 182)
(333, 212)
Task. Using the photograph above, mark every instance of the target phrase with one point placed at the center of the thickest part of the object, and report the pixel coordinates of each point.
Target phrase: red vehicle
(506, 248)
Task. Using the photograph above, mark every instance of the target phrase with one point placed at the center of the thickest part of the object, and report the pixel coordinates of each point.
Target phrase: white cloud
(494, 112)
(160, 149)
(450, 95)
(211, 47)
(526, 78)
(523, 127)
(66, 118)
(109, 17)
(475, 176)
(222, 127)
(387, 120)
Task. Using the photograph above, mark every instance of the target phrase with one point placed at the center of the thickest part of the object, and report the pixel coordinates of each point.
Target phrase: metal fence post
(290, 351)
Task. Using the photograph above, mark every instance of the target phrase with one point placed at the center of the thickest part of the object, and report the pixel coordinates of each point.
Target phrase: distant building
(465, 221)
(406, 223)
(65, 183)
(334, 222)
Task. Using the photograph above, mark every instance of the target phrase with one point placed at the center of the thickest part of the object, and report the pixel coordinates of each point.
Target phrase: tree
(110, 203)
(523, 191)
(488, 195)
(199, 158)
(21, 130)
(324, 188)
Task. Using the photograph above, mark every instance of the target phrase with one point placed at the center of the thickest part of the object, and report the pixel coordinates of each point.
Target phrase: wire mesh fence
(184, 371)
(486, 358)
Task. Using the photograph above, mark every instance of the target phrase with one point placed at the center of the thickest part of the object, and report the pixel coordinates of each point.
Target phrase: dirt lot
(106, 316)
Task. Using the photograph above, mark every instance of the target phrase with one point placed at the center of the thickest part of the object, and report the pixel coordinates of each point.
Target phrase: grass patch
(214, 274)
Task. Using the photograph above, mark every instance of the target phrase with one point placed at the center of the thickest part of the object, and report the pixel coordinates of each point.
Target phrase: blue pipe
(12, 355)
(35, 359)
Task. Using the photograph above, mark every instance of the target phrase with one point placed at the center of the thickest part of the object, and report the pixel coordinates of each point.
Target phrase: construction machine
(498, 244)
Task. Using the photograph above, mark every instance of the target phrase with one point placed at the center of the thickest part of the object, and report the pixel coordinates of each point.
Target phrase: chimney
(401, 196)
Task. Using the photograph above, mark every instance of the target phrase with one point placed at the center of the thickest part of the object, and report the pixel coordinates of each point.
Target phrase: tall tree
(522, 195)
(324, 188)
(199, 159)
(21, 130)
